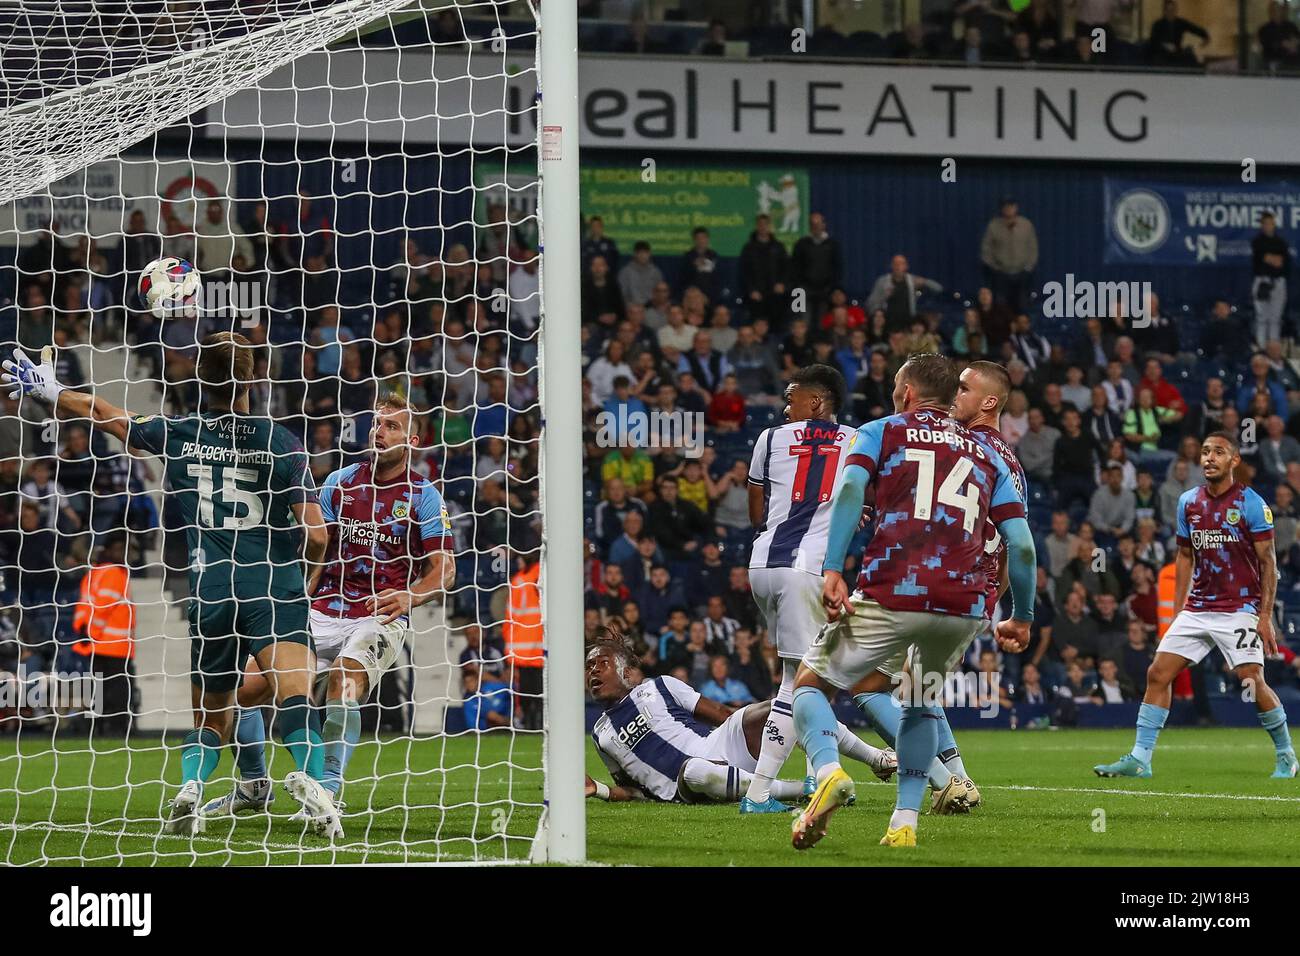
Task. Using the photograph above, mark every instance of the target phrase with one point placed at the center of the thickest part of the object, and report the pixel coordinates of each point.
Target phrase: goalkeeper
(246, 495)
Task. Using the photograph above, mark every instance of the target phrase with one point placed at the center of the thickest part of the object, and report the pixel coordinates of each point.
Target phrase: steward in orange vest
(106, 618)
(522, 632)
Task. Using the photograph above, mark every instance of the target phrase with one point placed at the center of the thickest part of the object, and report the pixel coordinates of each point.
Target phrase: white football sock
(778, 737)
(851, 745)
(903, 818)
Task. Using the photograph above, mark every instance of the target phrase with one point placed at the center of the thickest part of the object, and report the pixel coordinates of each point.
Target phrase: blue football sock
(948, 752)
(918, 735)
(883, 712)
(1150, 719)
(1274, 721)
(341, 732)
(299, 730)
(250, 744)
(818, 730)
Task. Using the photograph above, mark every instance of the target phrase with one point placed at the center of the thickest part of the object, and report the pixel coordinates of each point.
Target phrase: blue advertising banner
(1154, 223)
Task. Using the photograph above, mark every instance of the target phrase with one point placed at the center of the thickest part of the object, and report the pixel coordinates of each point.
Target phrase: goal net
(357, 184)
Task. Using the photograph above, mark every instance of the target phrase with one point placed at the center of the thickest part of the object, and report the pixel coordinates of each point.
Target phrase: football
(170, 286)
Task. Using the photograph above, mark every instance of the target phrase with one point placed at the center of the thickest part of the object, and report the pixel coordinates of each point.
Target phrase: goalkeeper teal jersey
(235, 479)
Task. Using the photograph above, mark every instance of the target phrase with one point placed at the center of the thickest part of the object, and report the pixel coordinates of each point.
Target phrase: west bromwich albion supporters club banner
(1177, 224)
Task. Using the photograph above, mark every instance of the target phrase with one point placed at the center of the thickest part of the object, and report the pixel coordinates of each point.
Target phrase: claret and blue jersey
(1222, 531)
(938, 487)
(380, 534)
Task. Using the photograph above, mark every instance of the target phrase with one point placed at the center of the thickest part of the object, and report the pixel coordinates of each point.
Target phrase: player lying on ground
(794, 469)
(662, 741)
(389, 550)
(245, 493)
(921, 586)
(1224, 589)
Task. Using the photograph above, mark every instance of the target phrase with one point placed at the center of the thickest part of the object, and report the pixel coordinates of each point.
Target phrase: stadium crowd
(1106, 415)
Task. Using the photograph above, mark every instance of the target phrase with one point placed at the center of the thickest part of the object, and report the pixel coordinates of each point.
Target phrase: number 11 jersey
(938, 487)
(797, 465)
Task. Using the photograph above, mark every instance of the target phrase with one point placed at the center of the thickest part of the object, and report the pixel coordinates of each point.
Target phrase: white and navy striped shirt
(797, 464)
(647, 736)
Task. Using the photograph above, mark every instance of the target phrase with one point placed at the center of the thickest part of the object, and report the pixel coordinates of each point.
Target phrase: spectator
(1260, 380)
(715, 41)
(602, 300)
(896, 292)
(763, 272)
(1009, 252)
(1112, 506)
(487, 657)
(727, 410)
(1277, 450)
(632, 466)
(724, 688)
(1027, 346)
(678, 524)
(876, 389)
(1062, 545)
(1119, 390)
(487, 701)
(706, 364)
(1165, 47)
(749, 667)
(1073, 627)
(1222, 335)
(603, 372)
(1037, 447)
(1136, 657)
(709, 577)
(624, 548)
(1015, 417)
(1279, 39)
(720, 329)
(739, 598)
(657, 598)
(1111, 686)
(700, 265)
(720, 629)
(637, 279)
(598, 244)
(1086, 570)
(1073, 462)
(1173, 487)
(816, 265)
(1207, 415)
(968, 341)
(612, 510)
(1143, 429)
(1270, 265)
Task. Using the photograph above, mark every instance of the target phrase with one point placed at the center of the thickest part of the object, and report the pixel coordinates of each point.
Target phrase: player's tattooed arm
(1267, 592)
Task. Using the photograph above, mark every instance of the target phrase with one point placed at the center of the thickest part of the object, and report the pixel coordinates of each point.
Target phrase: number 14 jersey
(797, 465)
(938, 486)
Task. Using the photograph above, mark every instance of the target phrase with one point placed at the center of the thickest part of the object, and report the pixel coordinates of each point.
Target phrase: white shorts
(363, 639)
(1195, 633)
(791, 604)
(727, 744)
(876, 638)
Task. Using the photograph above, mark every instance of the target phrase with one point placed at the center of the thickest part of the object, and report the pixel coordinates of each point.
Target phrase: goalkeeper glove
(24, 377)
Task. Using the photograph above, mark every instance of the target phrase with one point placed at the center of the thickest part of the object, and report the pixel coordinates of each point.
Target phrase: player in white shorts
(792, 477)
(1224, 589)
(389, 551)
(661, 740)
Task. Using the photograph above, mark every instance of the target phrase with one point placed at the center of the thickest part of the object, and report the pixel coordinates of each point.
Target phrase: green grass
(1210, 803)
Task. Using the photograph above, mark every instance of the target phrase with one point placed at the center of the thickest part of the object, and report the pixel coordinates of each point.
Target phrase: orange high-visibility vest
(1166, 588)
(523, 626)
(105, 613)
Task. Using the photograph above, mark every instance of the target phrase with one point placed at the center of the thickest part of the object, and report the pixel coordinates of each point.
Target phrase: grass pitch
(1211, 803)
